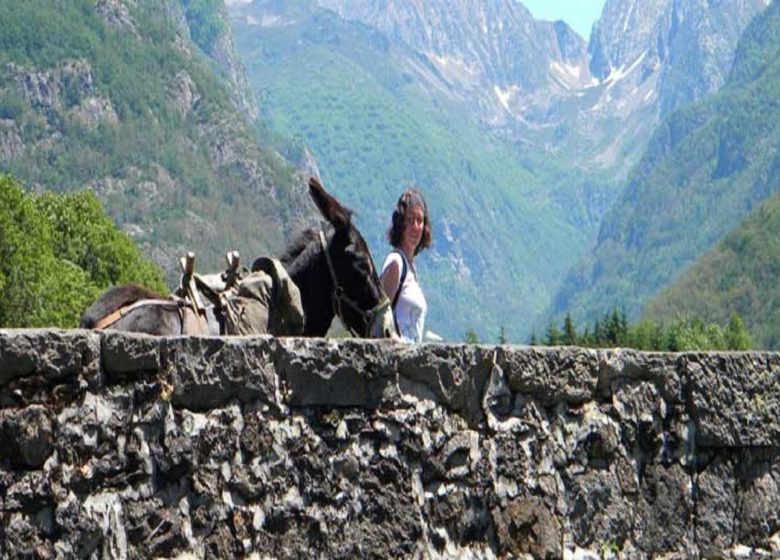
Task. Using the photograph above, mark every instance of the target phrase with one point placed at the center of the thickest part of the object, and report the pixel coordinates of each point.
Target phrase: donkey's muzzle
(382, 323)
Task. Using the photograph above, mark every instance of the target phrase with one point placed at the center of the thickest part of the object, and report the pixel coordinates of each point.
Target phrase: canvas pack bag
(265, 301)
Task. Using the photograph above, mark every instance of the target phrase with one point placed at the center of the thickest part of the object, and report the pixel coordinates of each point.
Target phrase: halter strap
(339, 296)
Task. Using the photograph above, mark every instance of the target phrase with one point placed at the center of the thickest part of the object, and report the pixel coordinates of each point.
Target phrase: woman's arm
(389, 279)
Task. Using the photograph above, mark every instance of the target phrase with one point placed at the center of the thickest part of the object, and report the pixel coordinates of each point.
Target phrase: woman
(409, 233)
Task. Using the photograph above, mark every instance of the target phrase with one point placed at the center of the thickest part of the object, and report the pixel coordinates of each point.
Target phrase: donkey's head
(357, 295)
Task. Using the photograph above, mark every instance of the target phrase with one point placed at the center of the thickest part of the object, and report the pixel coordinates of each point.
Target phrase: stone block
(664, 510)
(52, 354)
(733, 398)
(317, 372)
(528, 526)
(758, 493)
(27, 436)
(129, 355)
(209, 372)
(716, 504)
(455, 376)
(551, 375)
(618, 368)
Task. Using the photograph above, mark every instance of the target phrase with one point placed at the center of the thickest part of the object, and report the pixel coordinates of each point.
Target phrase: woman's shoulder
(394, 258)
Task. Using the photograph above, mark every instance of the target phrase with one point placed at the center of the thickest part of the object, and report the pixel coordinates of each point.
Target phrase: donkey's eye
(365, 267)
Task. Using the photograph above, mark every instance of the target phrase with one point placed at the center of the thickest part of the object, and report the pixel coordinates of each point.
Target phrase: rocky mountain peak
(624, 31)
(644, 59)
(684, 48)
(494, 45)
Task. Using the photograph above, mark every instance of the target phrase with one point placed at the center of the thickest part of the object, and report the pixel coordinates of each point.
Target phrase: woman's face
(413, 225)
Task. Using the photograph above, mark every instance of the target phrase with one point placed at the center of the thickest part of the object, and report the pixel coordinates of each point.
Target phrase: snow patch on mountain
(618, 75)
(505, 95)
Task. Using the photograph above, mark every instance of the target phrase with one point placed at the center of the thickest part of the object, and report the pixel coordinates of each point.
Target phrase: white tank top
(411, 307)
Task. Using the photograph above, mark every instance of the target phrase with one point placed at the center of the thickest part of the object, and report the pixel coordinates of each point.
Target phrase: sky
(579, 14)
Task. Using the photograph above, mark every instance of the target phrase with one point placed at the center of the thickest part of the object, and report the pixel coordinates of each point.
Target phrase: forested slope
(706, 168)
(115, 97)
(739, 275)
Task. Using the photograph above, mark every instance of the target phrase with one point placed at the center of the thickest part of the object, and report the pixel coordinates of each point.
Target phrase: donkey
(332, 267)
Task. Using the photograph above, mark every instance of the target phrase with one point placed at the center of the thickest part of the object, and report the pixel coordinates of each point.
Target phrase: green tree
(552, 336)
(57, 253)
(736, 335)
(623, 328)
(26, 259)
(643, 336)
(569, 332)
(598, 334)
(612, 326)
(470, 337)
(86, 237)
(688, 334)
(586, 339)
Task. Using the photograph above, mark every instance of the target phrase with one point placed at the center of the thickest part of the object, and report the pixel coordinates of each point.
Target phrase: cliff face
(667, 53)
(123, 446)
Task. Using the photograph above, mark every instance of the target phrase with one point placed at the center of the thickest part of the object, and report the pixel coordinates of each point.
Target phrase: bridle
(339, 297)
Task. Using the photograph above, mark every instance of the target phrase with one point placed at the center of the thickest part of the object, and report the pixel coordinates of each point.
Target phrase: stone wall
(127, 446)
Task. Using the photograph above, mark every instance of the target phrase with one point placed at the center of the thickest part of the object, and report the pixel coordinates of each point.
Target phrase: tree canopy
(57, 253)
(683, 333)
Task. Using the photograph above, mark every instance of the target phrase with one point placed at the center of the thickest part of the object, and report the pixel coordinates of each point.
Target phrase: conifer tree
(569, 332)
(586, 339)
(502, 335)
(598, 334)
(612, 321)
(623, 332)
(552, 337)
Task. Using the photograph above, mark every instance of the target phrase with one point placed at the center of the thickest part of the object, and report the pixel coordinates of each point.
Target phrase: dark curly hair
(411, 197)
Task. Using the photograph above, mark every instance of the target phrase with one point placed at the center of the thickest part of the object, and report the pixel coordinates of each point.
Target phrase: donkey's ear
(329, 207)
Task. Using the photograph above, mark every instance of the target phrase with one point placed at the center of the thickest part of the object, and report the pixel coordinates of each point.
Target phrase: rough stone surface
(735, 398)
(129, 446)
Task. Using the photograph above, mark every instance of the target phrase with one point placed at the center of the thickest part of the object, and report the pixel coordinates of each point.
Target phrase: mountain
(707, 167)
(485, 52)
(206, 22)
(650, 57)
(115, 96)
(517, 129)
(739, 275)
(669, 52)
(377, 116)
(596, 104)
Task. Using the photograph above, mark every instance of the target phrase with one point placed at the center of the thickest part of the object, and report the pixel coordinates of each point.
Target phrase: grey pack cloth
(265, 301)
